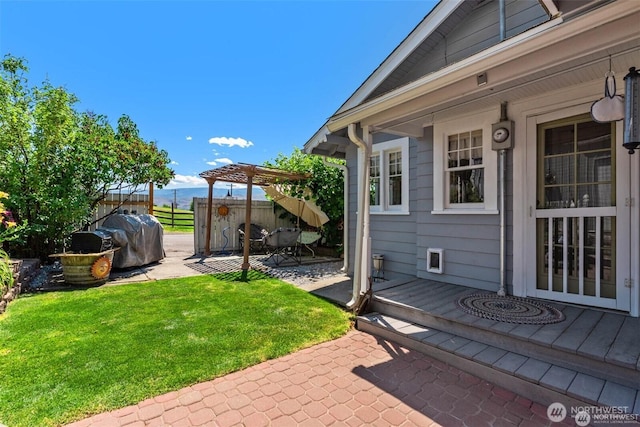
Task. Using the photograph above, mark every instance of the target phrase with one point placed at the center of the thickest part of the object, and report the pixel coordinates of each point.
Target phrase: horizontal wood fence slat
(174, 218)
(136, 204)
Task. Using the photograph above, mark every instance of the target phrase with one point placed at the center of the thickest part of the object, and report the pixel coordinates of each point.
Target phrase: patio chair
(282, 244)
(256, 238)
(308, 239)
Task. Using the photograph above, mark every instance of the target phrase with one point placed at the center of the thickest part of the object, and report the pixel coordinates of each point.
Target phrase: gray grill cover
(139, 238)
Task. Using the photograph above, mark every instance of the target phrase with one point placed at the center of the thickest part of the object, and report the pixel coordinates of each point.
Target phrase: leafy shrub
(58, 164)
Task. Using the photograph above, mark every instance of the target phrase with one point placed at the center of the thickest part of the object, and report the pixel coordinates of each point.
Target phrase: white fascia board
(318, 138)
(539, 37)
(428, 25)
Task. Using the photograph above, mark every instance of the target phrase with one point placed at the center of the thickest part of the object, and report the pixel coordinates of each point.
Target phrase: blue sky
(212, 82)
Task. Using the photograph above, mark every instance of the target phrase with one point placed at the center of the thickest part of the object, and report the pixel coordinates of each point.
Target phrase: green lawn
(67, 355)
(177, 229)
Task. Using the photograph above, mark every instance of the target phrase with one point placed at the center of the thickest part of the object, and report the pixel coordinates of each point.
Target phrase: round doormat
(509, 309)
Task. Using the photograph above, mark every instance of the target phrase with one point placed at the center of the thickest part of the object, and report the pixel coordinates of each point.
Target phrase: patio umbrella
(306, 210)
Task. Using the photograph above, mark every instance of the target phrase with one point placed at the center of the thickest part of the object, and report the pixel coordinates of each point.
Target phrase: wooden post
(150, 208)
(207, 239)
(250, 172)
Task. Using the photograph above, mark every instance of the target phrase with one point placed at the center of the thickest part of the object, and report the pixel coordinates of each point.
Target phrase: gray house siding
(394, 236)
(466, 32)
(481, 30)
(471, 243)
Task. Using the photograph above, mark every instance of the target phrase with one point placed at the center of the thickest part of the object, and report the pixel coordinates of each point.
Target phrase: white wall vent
(435, 260)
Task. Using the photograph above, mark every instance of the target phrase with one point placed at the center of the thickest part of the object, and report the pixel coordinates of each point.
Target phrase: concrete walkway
(356, 380)
(179, 250)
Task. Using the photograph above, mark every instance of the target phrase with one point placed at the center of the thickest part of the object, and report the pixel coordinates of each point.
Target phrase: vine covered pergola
(242, 173)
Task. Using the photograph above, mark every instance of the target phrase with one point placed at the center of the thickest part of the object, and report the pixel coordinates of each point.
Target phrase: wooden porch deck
(593, 356)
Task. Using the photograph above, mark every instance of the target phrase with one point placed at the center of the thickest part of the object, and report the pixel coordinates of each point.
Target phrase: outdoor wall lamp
(378, 267)
(632, 110)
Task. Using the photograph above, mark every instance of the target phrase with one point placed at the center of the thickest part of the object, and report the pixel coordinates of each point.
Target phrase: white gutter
(345, 215)
(361, 263)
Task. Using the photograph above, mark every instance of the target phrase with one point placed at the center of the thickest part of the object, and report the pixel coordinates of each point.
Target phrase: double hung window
(465, 170)
(389, 177)
(464, 166)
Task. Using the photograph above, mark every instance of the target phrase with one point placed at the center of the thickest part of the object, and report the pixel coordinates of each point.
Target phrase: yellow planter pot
(86, 269)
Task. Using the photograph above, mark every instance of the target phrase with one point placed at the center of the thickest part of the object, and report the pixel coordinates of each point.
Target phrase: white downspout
(345, 214)
(361, 260)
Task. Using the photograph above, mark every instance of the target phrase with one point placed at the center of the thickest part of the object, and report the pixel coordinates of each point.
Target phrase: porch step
(590, 342)
(535, 379)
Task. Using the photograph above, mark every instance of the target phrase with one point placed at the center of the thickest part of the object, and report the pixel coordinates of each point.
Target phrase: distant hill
(183, 197)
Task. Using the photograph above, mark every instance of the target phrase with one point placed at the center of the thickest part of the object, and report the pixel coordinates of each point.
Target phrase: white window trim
(383, 149)
(441, 132)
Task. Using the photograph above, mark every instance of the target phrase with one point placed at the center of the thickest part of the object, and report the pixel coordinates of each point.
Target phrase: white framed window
(464, 166)
(389, 177)
(464, 171)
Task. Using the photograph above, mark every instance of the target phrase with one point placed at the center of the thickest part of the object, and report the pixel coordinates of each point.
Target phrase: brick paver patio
(356, 380)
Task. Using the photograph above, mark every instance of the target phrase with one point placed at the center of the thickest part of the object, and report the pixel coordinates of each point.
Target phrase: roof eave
(535, 39)
(423, 30)
(427, 26)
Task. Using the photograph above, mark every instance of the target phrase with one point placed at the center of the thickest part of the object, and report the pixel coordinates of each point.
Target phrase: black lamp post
(632, 110)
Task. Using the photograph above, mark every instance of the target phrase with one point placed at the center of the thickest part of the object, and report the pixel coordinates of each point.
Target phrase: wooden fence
(136, 204)
(224, 229)
(169, 216)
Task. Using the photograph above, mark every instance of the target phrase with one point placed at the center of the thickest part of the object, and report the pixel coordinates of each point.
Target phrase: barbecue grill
(87, 242)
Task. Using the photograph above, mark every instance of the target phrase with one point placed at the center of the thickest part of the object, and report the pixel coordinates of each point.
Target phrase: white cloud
(173, 162)
(220, 161)
(230, 142)
(181, 181)
(189, 138)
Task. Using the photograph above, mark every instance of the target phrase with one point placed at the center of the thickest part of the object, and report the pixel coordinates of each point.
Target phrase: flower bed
(10, 285)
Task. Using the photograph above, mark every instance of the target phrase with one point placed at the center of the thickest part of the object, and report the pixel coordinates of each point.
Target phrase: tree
(58, 164)
(326, 184)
